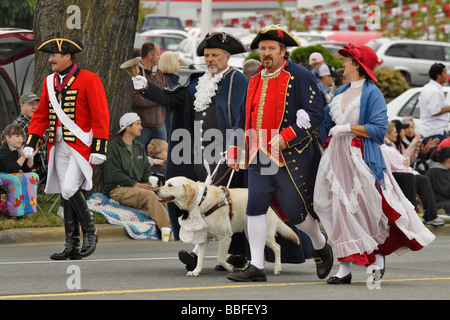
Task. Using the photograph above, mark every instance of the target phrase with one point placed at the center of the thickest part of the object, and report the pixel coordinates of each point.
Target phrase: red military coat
(84, 102)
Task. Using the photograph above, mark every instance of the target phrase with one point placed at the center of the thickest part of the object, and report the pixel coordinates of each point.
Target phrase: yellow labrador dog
(223, 220)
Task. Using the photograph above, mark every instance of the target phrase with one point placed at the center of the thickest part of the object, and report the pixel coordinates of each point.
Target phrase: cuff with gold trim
(288, 134)
(33, 141)
(99, 146)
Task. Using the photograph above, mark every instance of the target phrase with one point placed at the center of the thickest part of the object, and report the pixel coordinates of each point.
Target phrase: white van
(413, 58)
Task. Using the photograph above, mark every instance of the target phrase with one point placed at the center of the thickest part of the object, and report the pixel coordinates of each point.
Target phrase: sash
(86, 138)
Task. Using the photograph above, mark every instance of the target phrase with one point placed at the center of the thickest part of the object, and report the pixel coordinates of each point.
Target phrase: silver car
(413, 58)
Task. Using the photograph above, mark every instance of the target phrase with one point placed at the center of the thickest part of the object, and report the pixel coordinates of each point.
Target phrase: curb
(105, 231)
(55, 234)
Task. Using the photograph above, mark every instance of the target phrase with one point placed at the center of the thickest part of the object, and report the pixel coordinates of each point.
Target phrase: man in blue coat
(282, 107)
(203, 109)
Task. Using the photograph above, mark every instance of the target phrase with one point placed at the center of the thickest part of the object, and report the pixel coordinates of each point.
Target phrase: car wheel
(406, 76)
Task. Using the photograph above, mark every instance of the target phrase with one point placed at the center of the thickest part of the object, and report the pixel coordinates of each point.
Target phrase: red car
(16, 71)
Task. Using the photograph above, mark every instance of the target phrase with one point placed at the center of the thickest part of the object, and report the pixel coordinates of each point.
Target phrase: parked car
(165, 42)
(406, 105)
(187, 50)
(171, 32)
(161, 22)
(15, 78)
(413, 58)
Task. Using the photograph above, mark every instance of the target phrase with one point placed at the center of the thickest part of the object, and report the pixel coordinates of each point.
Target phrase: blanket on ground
(136, 223)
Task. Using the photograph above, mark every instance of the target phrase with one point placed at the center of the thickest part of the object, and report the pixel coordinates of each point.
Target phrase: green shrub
(302, 54)
(391, 82)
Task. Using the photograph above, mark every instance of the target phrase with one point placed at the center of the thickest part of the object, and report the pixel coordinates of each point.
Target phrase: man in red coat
(74, 108)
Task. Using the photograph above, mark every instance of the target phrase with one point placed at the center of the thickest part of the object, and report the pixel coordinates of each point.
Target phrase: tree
(107, 29)
(16, 14)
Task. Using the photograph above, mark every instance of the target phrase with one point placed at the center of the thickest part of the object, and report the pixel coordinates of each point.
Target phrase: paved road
(150, 270)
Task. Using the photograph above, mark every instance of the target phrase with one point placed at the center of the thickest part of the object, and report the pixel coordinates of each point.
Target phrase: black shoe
(344, 280)
(71, 251)
(237, 261)
(324, 261)
(251, 273)
(189, 259)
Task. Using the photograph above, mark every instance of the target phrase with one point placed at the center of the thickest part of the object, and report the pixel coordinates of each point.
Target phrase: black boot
(72, 248)
(90, 236)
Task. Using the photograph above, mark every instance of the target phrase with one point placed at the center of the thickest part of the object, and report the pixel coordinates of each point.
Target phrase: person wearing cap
(208, 104)
(127, 170)
(325, 83)
(361, 207)
(282, 107)
(316, 60)
(74, 108)
(28, 104)
(434, 110)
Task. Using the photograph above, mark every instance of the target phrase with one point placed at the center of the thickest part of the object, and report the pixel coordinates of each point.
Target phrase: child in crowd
(157, 153)
(19, 182)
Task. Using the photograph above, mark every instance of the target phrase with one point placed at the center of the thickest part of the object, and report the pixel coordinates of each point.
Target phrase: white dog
(191, 196)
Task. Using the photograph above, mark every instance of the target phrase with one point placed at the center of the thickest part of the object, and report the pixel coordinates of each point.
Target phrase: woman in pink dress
(361, 207)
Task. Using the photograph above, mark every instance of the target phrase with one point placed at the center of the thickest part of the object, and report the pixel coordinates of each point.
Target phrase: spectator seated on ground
(416, 183)
(439, 175)
(19, 182)
(127, 171)
(157, 151)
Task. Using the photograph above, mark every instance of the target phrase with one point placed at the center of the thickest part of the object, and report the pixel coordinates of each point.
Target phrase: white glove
(340, 129)
(28, 152)
(139, 82)
(97, 158)
(303, 119)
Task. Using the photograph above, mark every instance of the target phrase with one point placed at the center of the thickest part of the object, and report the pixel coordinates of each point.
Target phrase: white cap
(324, 70)
(127, 119)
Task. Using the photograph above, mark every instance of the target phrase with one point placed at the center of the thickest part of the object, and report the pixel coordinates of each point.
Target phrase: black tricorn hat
(221, 40)
(274, 33)
(61, 45)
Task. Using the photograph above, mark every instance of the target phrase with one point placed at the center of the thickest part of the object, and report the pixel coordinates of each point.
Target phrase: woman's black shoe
(344, 280)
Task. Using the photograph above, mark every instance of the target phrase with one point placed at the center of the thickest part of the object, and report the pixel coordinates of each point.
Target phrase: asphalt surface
(126, 269)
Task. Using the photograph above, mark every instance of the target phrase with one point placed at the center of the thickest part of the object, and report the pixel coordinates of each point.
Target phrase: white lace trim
(336, 113)
(206, 90)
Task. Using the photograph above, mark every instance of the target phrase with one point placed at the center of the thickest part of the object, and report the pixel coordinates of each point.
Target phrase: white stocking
(312, 229)
(257, 234)
(344, 269)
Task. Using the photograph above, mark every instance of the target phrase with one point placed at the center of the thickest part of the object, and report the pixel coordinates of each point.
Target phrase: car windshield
(163, 23)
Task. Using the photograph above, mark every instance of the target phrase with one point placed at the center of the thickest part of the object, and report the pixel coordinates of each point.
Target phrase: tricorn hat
(61, 45)
(221, 40)
(274, 33)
